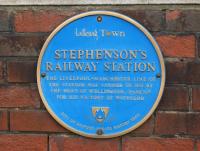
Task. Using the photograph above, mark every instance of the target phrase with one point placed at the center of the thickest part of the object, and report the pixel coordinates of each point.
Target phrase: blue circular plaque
(100, 74)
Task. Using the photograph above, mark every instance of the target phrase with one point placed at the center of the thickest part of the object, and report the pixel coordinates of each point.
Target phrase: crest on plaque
(100, 113)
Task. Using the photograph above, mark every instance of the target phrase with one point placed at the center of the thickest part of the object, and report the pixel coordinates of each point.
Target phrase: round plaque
(100, 74)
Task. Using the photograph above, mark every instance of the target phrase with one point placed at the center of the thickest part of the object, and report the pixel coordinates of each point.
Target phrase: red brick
(193, 124)
(4, 21)
(196, 98)
(198, 145)
(20, 45)
(146, 128)
(183, 72)
(177, 46)
(18, 142)
(39, 21)
(193, 73)
(67, 143)
(16, 96)
(151, 19)
(157, 144)
(173, 15)
(175, 98)
(198, 44)
(21, 71)
(174, 20)
(33, 121)
(175, 72)
(3, 120)
(170, 123)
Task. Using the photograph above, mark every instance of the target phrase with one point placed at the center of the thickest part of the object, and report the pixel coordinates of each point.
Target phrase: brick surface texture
(19, 142)
(66, 143)
(157, 144)
(25, 124)
(177, 46)
(33, 121)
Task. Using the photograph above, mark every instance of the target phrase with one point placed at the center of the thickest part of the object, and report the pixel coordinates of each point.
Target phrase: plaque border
(128, 19)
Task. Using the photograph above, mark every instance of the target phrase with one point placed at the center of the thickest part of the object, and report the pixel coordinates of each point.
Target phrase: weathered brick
(33, 121)
(177, 45)
(138, 15)
(21, 71)
(20, 45)
(170, 123)
(151, 19)
(193, 124)
(17, 96)
(4, 21)
(154, 20)
(177, 123)
(175, 98)
(183, 20)
(3, 120)
(146, 128)
(193, 73)
(67, 143)
(191, 20)
(1, 70)
(175, 72)
(19, 142)
(40, 21)
(45, 21)
(183, 72)
(198, 44)
(196, 98)
(157, 144)
(172, 15)
(174, 20)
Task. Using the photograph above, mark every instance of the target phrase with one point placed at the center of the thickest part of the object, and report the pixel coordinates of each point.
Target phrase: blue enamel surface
(77, 113)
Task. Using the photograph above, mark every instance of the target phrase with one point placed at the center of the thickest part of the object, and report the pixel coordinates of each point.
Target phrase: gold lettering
(72, 54)
(49, 66)
(94, 65)
(123, 54)
(108, 54)
(58, 67)
(57, 54)
(143, 55)
(135, 67)
(106, 67)
(87, 67)
(121, 67)
(99, 54)
(80, 54)
(128, 66)
(78, 66)
(142, 66)
(151, 67)
(64, 54)
(116, 55)
(133, 54)
(89, 54)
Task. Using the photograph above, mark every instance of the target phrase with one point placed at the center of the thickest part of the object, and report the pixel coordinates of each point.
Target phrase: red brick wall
(26, 126)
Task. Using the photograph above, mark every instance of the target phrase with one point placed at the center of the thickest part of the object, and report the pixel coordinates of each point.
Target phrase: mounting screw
(158, 75)
(99, 18)
(99, 132)
(43, 75)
